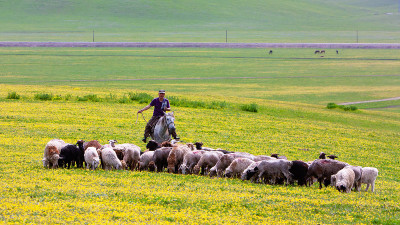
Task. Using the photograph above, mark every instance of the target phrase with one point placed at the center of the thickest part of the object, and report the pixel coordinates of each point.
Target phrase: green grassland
(201, 21)
(294, 75)
(291, 89)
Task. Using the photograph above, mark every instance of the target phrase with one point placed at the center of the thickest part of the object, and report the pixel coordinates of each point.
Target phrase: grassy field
(291, 88)
(293, 75)
(201, 21)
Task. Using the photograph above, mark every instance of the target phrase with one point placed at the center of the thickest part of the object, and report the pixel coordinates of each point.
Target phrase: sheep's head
(196, 169)
(152, 166)
(332, 156)
(112, 142)
(183, 169)
(228, 173)
(80, 142)
(166, 144)
(152, 145)
(275, 155)
(96, 162)
(213, 171)
(198, 145)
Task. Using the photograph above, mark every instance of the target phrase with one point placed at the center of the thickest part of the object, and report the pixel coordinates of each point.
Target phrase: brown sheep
(323, 169)
(52, 153)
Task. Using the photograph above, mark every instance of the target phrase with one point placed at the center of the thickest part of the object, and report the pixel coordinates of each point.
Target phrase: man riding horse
(161, 104)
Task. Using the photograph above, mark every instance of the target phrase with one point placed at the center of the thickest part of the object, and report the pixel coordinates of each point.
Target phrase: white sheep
(52, 153)
(92, 158)
(368, 177)
(237, 167)
(110, 159)
(344, 179)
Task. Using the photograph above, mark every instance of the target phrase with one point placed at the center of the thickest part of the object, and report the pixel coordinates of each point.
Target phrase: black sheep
(299, 170)
(68, 154)
(152, 145)
(81, 158)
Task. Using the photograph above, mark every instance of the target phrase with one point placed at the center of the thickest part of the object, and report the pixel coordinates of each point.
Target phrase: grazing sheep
(189, 161)
(52, 153)
(207, 161)
(344, 179)
(368, 177)
(160, 158)
(175, 158)
(236, 168)
(131, 157)
(81, 153)
(92, 158)
(68, 154)
(249, 173)
(226, 160)
(323, 169)
(145, 160)
(299, 170)
(272, 170)
(357, 176)
(110, 159)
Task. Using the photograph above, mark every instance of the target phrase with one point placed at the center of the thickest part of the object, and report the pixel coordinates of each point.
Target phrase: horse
(164, 128)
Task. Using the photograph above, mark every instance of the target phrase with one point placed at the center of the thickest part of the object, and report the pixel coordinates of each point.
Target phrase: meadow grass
(201, 21)
(33, 194)
(294, 75)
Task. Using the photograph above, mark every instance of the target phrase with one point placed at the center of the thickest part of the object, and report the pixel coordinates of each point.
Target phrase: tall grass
(13, 95)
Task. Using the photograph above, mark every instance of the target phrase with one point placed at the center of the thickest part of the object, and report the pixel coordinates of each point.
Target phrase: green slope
(178, 20)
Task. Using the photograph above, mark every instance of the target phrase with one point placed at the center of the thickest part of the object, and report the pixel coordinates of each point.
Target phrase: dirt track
(202, 45)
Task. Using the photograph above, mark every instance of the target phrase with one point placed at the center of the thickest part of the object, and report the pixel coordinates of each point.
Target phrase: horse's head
(170, 122)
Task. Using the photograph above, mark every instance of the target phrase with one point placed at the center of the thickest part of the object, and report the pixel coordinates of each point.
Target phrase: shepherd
(161, 105)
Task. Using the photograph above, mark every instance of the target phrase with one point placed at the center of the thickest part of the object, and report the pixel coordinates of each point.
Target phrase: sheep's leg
(320, 180)
(366, 189)
(373, 186)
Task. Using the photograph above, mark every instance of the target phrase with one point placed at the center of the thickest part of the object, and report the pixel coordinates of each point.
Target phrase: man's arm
(144, 109)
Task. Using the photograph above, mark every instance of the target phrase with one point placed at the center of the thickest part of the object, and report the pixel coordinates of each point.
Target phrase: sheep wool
(92, 158)
(110, 159)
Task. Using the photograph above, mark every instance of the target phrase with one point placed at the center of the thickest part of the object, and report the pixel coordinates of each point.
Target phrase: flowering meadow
(31, 193)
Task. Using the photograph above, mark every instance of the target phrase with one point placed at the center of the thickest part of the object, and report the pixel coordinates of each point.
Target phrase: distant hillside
(197, 20)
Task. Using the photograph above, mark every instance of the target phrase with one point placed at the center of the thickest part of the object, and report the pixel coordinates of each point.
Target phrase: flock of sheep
(196, 159)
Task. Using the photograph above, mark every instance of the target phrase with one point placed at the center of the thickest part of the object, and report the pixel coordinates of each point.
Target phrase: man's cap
(161, 91)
